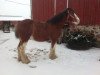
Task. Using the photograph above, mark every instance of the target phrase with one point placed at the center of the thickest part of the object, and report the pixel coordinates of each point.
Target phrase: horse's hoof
(52, 57)
(19, 58)
(25, 60)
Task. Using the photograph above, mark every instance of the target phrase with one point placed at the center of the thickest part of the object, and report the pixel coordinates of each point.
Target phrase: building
(87, 10)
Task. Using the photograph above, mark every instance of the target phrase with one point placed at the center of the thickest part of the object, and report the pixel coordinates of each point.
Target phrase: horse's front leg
(21, 53)
(52, 54)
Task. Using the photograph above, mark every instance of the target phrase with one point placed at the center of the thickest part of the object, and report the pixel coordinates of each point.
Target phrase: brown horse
(49, 30)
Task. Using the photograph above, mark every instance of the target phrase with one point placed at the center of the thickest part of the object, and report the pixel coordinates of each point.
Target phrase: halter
(68, 17)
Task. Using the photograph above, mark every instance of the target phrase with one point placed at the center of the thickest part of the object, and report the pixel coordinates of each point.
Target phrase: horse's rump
(27, 28)
(24, 29)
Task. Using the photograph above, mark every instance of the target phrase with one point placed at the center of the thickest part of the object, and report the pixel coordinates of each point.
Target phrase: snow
(69, 62)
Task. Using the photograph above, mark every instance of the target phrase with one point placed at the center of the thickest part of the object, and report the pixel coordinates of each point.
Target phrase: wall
(87, 10)
(42, 10)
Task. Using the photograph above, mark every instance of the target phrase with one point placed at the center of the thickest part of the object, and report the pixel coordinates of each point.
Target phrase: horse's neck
(62, 22)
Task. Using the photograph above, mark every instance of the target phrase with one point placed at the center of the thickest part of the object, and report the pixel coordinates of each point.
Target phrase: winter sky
(15, 8)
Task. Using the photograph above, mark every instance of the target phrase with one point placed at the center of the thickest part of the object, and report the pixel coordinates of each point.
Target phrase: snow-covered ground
(69, 62)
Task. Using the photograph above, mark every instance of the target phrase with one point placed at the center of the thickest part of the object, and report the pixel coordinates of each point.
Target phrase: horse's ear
(65, 11)
(71, 10)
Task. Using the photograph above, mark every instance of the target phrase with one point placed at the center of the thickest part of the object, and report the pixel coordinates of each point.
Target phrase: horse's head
(72, 18)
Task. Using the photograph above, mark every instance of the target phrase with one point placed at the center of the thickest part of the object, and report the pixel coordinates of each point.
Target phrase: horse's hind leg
(19, 56)
(21, 53)
(52, 54)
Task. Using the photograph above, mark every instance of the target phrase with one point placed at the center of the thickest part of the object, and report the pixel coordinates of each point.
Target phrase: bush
(80, 40)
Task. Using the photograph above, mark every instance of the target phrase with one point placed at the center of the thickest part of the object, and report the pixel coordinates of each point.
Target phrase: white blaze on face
(77, 19)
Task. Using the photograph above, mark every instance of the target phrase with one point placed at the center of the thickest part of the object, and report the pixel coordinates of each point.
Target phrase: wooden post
(67, 3)
(54, 7)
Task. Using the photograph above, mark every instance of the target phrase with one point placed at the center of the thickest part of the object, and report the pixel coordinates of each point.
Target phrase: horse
(43, 31)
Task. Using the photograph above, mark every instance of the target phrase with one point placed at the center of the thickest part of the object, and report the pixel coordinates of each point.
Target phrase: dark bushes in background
(79, 40)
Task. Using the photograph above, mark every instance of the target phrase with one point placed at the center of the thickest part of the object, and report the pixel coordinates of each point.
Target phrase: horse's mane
(57, 18)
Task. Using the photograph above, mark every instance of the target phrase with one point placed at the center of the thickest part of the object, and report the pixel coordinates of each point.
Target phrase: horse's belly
(40, 37)
(40, 32)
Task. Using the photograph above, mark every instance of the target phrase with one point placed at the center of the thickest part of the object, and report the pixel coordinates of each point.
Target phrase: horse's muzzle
(77, 20)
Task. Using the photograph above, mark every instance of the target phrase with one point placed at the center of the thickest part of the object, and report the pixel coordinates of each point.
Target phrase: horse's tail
(16, 32)
(24, 29)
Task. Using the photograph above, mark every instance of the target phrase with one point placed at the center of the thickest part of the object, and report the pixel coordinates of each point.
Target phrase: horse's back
(24, 29)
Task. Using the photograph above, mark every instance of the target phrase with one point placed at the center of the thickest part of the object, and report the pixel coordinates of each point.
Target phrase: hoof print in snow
(32, 66)
(15, 57)
(37, 54)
